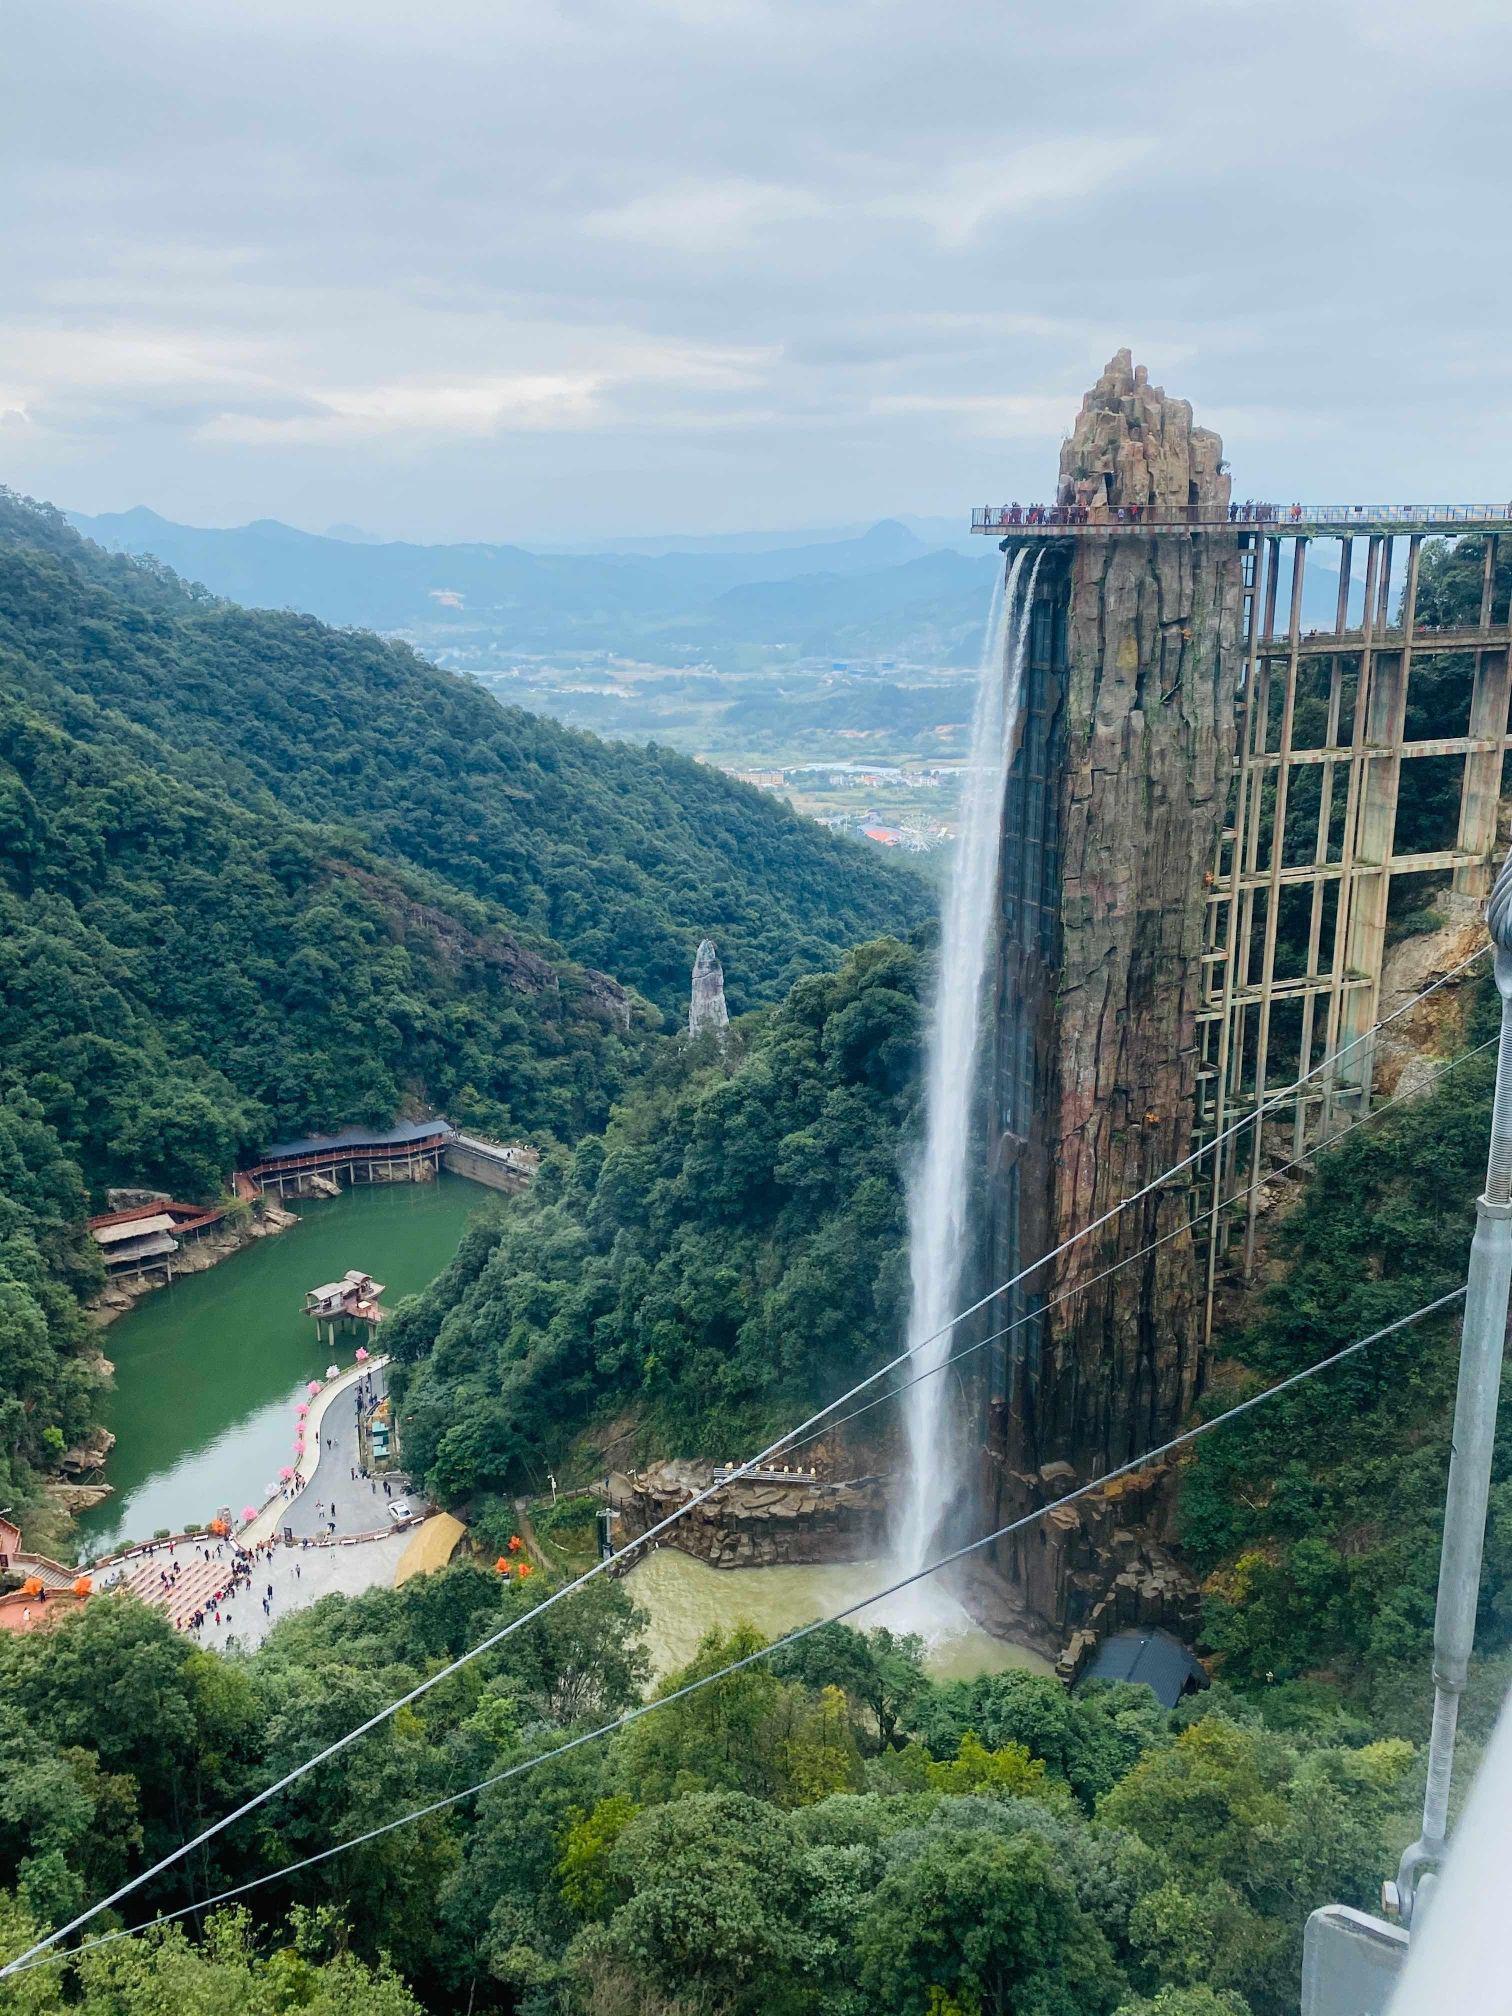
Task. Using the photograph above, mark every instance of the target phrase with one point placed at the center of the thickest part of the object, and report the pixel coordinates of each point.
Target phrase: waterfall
(940, 1186)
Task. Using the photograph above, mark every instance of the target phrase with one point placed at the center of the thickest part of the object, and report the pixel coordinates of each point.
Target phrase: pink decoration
(312, 1389)
(362, 1354)
(286, 1473)
(302, 1409)
(249, 1512)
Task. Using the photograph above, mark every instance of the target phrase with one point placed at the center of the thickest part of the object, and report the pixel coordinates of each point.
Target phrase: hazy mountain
(885, 584)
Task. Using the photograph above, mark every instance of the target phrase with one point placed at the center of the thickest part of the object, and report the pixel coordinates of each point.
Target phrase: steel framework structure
(1296, 897)
(1311, 838)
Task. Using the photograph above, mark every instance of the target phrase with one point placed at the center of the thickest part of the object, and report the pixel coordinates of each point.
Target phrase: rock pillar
(1144, 700)
(708, 1013)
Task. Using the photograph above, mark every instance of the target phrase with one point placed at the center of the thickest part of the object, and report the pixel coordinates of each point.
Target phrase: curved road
(356, 1504)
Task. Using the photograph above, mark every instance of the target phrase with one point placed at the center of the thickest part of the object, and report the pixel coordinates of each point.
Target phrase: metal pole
(1482, 1334)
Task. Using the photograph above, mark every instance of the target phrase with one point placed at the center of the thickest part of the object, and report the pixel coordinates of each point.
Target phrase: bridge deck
(1306, 521)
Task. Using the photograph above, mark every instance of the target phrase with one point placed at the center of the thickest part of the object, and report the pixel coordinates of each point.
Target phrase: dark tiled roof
(357, 1137)
(1153, 1659)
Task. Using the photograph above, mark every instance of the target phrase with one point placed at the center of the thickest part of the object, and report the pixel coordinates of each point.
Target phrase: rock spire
(708, 1011)
(1133, 445)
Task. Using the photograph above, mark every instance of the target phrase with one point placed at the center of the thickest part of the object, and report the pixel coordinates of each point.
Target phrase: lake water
(209, 1371)
(685, 1598)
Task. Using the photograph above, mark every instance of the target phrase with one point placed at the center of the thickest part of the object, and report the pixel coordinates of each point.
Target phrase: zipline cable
(38, 1955)
(361, 1729)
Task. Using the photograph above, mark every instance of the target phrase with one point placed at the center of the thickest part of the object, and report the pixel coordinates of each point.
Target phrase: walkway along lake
(209, 1371)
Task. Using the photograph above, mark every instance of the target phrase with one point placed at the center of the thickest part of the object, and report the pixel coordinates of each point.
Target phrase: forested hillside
(259, 876)
(730, 1251)
(1317, 1519)
(622, 858)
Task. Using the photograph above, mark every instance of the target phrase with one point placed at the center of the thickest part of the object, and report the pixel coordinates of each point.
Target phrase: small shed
(1152, 1659)
(131, 1243)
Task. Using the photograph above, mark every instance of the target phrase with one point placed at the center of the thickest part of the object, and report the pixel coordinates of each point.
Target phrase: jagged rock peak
(708, 1010)
(1133, 445)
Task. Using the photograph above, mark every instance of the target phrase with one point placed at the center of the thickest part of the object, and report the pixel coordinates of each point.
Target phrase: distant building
(384, 1152)
(708, 1012)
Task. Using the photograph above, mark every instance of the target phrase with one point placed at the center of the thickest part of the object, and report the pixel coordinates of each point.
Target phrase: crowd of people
(238, 1561)
(1079, 513)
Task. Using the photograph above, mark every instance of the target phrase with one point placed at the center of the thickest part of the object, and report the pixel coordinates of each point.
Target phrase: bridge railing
(1075, 518)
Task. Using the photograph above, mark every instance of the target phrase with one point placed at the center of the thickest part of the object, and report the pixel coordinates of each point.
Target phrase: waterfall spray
(940, 1187)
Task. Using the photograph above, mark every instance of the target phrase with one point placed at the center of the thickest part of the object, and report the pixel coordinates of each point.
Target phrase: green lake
(209, 1370)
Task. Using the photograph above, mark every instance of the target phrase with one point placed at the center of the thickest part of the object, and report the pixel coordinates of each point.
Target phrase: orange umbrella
(32, 1586)
(502, 1565)
(82, 1586)
(515, 1543)
(525, 1569)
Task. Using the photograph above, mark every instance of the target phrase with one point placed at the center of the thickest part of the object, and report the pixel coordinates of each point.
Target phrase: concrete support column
(1375, 837)
(1480, 788)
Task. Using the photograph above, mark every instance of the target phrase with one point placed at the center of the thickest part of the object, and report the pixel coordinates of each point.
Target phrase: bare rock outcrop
(759, 1521)
(707, 1014)
(1131, 445)
(1409, 1053)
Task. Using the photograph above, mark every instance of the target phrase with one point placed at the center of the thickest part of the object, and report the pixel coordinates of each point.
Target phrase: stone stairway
(196, 1583)
(51, 1574)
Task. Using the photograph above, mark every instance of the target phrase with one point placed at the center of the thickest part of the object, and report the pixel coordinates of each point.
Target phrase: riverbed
(685, 1598)
(208, 1371)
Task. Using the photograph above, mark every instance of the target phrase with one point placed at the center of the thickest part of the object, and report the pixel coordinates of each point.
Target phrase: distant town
(916, 830)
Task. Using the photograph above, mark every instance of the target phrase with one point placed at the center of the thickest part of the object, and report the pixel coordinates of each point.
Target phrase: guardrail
(1301, 517)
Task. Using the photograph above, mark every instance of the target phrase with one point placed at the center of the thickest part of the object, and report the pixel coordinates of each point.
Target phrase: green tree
(716, 1904)
(989, 1923)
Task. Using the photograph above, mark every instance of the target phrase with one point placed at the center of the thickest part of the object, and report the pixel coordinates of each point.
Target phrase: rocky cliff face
(759, 1521)
(1147, 729)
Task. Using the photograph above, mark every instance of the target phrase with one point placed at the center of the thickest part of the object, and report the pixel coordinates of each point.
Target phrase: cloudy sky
(563, 268)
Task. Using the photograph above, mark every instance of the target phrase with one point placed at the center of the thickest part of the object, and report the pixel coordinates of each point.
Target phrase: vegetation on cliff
(760, 1848)
(729, 1252)
(1316, 1521)
(1317, 1518)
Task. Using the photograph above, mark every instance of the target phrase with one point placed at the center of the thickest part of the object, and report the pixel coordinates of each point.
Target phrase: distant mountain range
(883, 592)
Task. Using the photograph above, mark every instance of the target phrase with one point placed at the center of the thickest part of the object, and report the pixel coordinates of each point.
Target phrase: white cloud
(1049, 174)
(999, 416)
(703, 218)
(771, 261)
(530, 404)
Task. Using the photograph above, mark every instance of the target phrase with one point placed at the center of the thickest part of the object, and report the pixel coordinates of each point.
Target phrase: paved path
(356, 1505)
(301, 1576)
(186, 1579)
